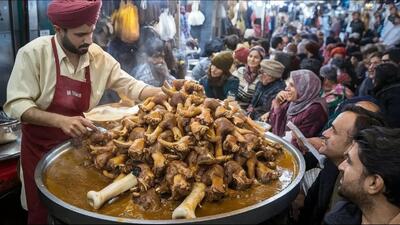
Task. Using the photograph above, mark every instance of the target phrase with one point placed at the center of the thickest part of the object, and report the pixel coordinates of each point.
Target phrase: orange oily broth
(70, 181)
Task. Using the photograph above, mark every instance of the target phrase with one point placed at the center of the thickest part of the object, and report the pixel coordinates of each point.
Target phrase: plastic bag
(166, 27)
(196, 17)
(126, 22)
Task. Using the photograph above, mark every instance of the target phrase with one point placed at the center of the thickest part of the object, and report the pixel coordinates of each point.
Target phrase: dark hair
(357, 55)
(385, 75)
(379, 153)
(365, 118)
(265, 44)
(154, 46)
(311, 64)
(394, 54)
(231, 41)
(368, 49)
(213, 46)
(375, 54)
(275, 41)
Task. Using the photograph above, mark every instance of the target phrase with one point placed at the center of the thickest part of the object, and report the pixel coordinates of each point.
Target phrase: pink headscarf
(308, 87)
(73, 13)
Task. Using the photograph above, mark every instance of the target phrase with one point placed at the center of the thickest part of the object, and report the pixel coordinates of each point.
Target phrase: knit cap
(272, 68)
(223, 60)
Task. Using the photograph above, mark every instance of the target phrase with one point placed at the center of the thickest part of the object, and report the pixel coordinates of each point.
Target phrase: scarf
(308, 87)
(249, 76)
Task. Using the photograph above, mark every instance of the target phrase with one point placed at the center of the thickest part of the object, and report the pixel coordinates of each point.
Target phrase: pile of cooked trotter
(182, 146)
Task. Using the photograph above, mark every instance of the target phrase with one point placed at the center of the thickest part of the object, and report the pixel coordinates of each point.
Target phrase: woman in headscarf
(219, 83)
(300, 103)
(249, 76)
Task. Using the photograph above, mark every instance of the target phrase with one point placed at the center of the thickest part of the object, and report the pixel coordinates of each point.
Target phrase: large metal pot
(9, 129)
(253, 214)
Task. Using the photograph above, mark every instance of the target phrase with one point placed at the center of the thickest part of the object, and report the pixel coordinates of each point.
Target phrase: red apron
(71, 98)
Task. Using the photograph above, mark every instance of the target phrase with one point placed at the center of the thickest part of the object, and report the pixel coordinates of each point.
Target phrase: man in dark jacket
(357, 26)
(267, 88)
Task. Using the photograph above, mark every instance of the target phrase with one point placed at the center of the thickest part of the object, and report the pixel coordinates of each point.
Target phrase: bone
(186, 210)
(97, 199)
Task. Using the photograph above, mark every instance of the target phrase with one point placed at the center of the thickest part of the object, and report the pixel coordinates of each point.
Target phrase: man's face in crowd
(356, 16)
(157, 59)
(373, 62)
(353, 183)
(385, 58)
(392, 9)
(396, 20)
(77, 40)
(337, 137)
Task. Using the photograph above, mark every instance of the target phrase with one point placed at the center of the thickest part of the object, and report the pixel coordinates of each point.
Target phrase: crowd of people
(343, 93)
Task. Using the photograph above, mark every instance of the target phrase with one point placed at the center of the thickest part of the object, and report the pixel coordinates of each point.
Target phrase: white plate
(109, 113)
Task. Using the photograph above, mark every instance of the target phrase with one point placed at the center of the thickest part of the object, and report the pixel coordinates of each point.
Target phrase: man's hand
(72, 126)
(149, 91)
(76, 126)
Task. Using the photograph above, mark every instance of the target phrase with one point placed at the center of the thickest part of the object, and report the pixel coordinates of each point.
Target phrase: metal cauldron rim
(57, 151)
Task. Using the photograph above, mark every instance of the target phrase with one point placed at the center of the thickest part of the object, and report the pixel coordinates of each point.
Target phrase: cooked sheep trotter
(97, 199)
(154, 117)
(116, 161)
(96, 150)
(257, 128)
(191, 86)
(148, 104)
(183, 145)
(221, 111)
(198, 130)
(186, 209)
(122, 144)
(162, 99)
(265, 174)
(205, 116)
(136, 150)
(211, 103)
(243, 131)
(251, 165)
(159, 162)
(192, 111)
(178, 84)
(230, 144)
(151, 138)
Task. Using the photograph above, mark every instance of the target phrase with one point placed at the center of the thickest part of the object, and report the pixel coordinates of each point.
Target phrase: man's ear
(58, 29)
(374, 184)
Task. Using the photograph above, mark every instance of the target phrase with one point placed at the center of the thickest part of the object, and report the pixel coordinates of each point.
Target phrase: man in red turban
(57, 78)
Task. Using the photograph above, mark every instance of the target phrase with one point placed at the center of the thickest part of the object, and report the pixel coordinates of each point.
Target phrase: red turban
(73, 13)
(241, 54)
(338, 50)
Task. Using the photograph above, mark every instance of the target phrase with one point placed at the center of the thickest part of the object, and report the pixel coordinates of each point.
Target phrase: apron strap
(57, 62)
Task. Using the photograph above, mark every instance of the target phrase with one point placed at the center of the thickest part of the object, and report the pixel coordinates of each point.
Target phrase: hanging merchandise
(196, 17)
(240, 12)
(126, 22)
(143, 4)
(166, 27)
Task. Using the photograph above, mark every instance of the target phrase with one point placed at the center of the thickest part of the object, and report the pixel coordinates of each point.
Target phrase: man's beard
(354, 192)
(81, 50)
